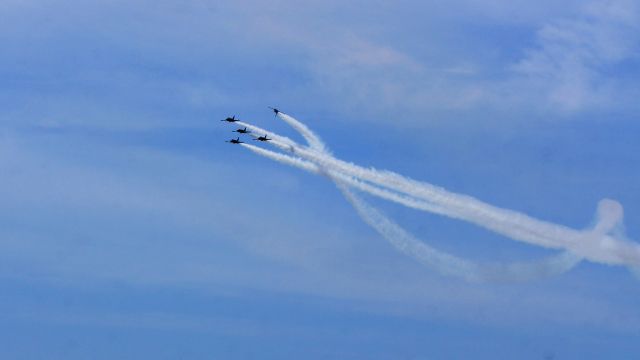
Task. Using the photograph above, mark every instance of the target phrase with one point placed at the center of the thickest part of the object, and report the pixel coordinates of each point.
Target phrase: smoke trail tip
(609, 216)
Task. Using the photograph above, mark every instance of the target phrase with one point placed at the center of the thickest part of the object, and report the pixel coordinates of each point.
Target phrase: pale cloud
(363, 73)
(569, 64)
(575, 64)
(573, 61)
(357, 52)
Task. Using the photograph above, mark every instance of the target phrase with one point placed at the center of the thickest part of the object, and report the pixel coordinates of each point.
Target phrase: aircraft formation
(601, 243)
(244, 130)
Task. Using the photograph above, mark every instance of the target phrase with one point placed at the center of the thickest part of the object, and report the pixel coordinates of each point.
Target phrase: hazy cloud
(573, 63)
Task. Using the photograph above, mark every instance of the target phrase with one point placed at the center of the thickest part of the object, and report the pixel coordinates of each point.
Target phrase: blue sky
(129, 228)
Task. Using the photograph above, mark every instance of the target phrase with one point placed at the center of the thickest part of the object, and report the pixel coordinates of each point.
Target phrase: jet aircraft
(262, 138)
(242, 131)
(235, 141)
(231, 119)
(276, 111)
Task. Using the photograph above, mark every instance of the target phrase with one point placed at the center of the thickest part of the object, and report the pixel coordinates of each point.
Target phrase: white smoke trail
(454, 266)
(453, 203)
(316, 143)
(598, 244)
(429, 192)
(595, 245)
(444, 263)
(351, 181)
(285, 159)
(260, 131)
(406, 243)
(312, 139)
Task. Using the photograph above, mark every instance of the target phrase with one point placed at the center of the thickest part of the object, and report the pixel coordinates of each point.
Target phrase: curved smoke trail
(595, 244)
(599, 243)
(444, 263)
(408, 244)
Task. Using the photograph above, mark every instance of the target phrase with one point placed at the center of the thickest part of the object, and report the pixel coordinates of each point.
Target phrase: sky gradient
(129, 229)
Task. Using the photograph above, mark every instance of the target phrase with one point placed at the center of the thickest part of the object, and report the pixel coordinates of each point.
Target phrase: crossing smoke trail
(406, 243)
(492, 216)
(442, 262)
(351, 181)
(594, 244)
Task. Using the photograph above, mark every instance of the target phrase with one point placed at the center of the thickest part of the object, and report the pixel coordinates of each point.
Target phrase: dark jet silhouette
(262, 138)
(231, 119)
(242, 131)
(276, 111)
(235, 141)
